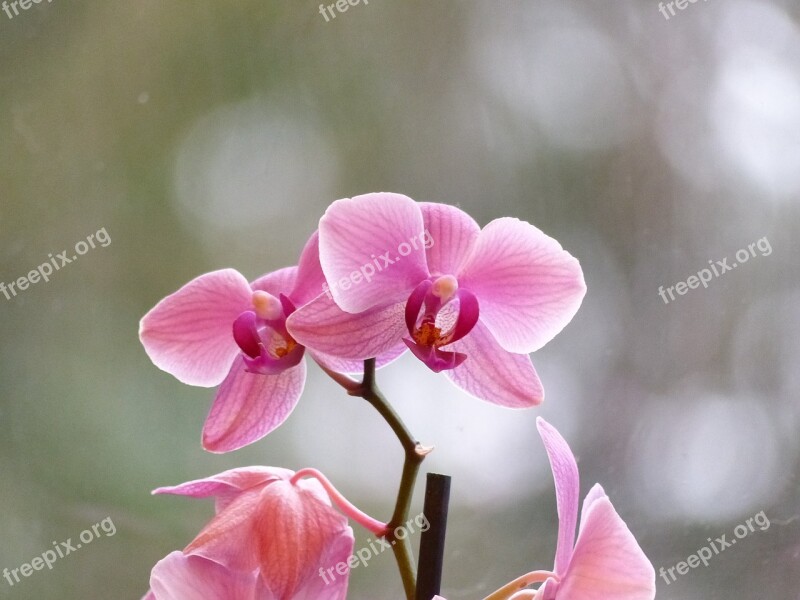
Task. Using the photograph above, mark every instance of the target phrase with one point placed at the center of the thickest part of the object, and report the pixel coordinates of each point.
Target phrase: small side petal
(493, 374)
(594, 494)
(529, 288)
(180, 577)
(450, 234)
(248, 406)
(565, 474)
(310, 278)
(278, 282)
(362, 236)
(188, 334)
(322, 326)
(548, 590)
(608, 562)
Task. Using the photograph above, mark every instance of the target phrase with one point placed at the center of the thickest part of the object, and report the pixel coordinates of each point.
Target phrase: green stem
(414, 455)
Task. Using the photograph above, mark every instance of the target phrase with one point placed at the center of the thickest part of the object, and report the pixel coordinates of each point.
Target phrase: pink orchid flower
(182, 577)
(220, 329)
(268, 522)
(605, 562)
(470, 302)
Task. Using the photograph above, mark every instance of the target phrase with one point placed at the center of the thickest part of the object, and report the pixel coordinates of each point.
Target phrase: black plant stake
(431, 545)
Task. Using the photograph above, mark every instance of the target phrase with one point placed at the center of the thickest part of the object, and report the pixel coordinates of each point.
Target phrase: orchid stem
(414, 455)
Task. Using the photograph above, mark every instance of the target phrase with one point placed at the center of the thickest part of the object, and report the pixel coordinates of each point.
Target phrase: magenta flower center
(260, 333)
(438, 313)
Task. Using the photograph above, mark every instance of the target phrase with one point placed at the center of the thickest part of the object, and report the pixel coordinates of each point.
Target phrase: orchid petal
(594, 494)
(310, 278)
(608, 562)
(452, 236)
(188, 333)
(293, 532)
(181, 577)
(277, 282)
(352, 366)
(565, 474)
(529, 288)
(333, 586)
(548, 590)
(226, 485)
(228, 538)
(492, 374)
(248, 406)
(354, 235)
(322, 326)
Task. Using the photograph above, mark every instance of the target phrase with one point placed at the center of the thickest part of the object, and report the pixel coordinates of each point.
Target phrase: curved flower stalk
(605, 562)
(220, 329)
(272, 536)
(469, 302)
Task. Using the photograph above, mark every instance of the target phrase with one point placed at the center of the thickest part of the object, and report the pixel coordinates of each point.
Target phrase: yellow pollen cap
(444, 287)
(267, 306)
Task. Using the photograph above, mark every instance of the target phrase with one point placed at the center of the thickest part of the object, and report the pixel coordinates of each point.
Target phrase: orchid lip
(430, 307)
(267, 348)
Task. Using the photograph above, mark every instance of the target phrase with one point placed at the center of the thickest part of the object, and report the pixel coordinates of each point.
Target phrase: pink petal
(323, 327)
(228, 484)
(188, 333)
(529, 288)
(492, 374)
(608, 562)
(594, 494)
(248, 406)
(229, 537)
(180, 577)
(355, 233)
(352, 366)
(453, 234)
(278, 282)
(294, 531)
(331, 586)
(149, 596)
(548, 590)
(565, 474)
(310, 279)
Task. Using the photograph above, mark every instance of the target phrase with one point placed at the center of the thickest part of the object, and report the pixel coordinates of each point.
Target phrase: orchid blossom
(220, 329)
(605, 563)
(271, 522)
(470, 302)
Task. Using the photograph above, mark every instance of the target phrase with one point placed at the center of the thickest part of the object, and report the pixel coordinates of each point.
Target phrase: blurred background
(205, 134)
